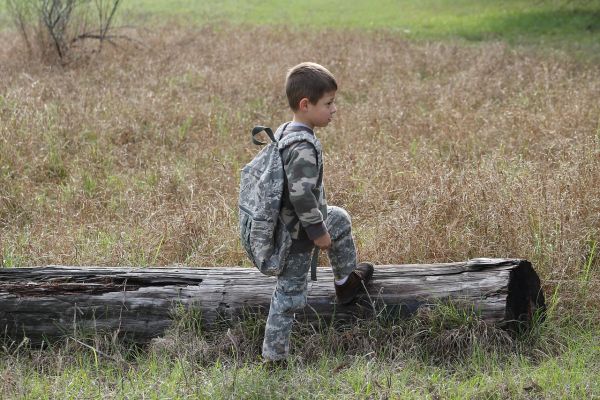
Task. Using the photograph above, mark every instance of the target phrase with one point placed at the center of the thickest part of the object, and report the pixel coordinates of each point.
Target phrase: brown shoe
(346, 292)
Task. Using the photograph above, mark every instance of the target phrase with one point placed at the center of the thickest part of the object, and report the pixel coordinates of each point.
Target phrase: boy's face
(320, 114)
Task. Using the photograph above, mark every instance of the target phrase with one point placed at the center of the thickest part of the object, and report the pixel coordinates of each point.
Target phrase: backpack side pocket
(266, 248)
(262, 247)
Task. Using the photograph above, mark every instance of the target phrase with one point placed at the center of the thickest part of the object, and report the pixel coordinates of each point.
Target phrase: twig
(95, 350)
(89, 35)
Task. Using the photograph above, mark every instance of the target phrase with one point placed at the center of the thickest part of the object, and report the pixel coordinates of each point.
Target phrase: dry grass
(439, 151)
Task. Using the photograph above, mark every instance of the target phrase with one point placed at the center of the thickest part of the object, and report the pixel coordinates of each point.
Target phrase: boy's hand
(323, 242)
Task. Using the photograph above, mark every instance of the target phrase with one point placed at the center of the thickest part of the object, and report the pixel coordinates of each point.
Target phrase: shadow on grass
(444, 335)
(557, 24)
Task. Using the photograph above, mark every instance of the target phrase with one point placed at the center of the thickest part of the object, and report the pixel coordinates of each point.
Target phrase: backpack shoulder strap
(298, 136)
(303, 136)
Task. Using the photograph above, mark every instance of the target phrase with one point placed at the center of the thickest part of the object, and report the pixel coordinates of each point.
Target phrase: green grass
(514, 20)
(573, 25)
(576, 21)
(177, 370)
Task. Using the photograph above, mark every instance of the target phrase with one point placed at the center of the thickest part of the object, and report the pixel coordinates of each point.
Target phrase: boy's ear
(303, 104)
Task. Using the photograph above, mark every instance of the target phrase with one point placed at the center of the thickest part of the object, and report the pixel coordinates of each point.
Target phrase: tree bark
(56, 301)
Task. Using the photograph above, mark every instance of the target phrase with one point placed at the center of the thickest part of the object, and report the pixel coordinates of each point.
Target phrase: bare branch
(63, 22)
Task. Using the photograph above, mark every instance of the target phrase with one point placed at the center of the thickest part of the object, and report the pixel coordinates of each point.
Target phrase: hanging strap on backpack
(313, 264)
(258, 129)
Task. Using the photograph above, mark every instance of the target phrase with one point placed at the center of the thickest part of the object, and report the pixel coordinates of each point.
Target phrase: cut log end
(525, 302)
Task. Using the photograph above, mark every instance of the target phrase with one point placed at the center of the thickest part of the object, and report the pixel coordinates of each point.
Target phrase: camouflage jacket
(304, 208)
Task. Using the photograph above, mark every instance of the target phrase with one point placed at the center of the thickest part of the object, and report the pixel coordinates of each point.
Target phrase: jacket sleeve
(302, 172)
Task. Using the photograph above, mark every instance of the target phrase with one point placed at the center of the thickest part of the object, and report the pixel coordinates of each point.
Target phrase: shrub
(55, 27)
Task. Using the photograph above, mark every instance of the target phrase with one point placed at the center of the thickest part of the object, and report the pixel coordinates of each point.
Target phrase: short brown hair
(309, 80)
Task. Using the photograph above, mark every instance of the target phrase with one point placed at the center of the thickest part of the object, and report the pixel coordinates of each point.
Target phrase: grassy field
(570, 23)
(443, 149)
(555, 23)
(469, 18)
(180, 368)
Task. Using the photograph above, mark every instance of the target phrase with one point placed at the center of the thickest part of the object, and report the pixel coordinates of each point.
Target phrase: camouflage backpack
(263, 233)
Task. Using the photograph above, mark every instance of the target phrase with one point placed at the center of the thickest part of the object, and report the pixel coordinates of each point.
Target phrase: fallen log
(57, 301)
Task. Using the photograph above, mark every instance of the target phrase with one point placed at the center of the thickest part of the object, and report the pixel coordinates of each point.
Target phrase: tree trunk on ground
(55, 301)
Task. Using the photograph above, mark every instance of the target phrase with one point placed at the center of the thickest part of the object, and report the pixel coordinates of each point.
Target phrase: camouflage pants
(291, 290)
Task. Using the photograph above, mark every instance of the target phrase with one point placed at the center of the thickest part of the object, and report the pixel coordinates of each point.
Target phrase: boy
(310, 89)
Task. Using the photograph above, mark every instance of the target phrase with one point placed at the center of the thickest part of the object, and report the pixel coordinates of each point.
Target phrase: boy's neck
(300, 120)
